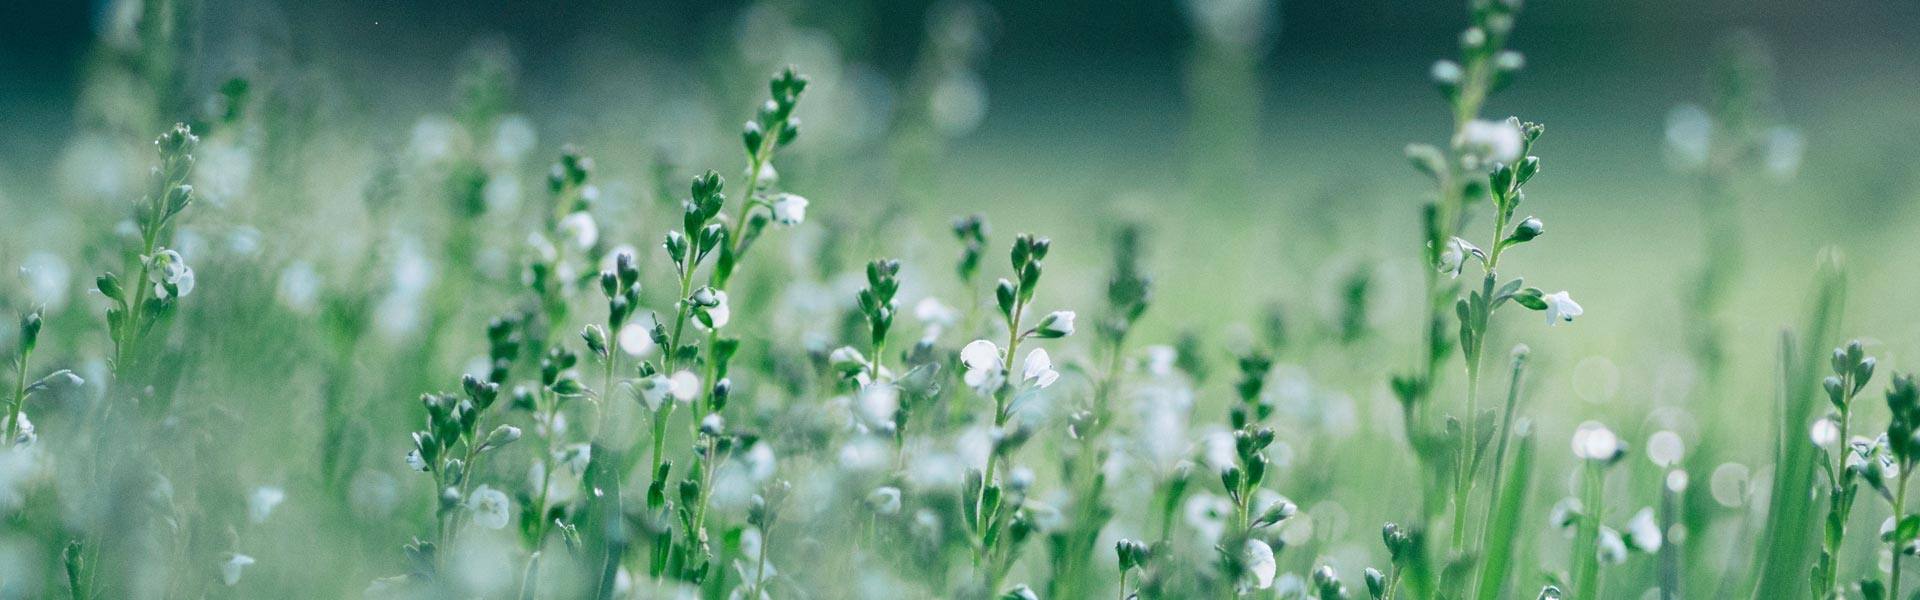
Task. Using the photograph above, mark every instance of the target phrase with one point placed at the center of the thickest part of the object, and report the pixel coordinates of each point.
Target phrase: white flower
(1689, 135)
(686, 386)
(1784, 148)
(767, 176)
(580, 230)
(1056, 324)
(170, 274)
(789, 209)
(635, 340)
(1611, 548)
(230, 569)
(1644, 532)
(1453, 257)
(982, 360)
(655, 390)
(936, 315)
(1260, 565)
(717, 315)
(1825, 433)
(1207, 515)
(489, 506)
(1492, 141)
(262, 501)
(885, 500)
(575, 457)
(1161, 360)
(1038, 368)
(1561, 307)
(1565, 512)
(1593, 441)
(415, 462)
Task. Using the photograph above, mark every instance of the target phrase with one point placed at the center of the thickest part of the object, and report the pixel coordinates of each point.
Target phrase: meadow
(784, 303)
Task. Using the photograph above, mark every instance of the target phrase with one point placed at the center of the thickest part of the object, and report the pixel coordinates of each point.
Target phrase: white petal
(1037, 365)
(980, 354)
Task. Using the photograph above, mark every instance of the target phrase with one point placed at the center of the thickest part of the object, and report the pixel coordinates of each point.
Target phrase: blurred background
(1259, 144)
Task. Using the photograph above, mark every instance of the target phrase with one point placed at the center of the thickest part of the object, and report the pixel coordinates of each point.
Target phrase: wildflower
(171, 276)
(1038, 367)
(415, 462)
(1492, 141)
(936, 315)
(713, 312)
(1260, 564)
(1561, 307)
(230, 569)
(1593, 441)
(1825, 433)
(1643, 532)
(580, 230)
(885, 500)
(262, 501)
(575, 457)
(1056, 324)
(789, 209)
(1453, 257)
(982, 360)
(489, 506)
(686, 386)
(1612, 549)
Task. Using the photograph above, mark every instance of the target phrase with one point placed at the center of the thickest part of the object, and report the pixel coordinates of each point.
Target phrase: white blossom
(789, 209)
(580, 230)
(489, 506)
(1561, 307)
(1260, 564)
(261, 502)
(230, 568)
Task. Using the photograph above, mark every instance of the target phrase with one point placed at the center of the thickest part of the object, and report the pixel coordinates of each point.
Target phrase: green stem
(1586, 559)
(19, 398)
(1899, 512)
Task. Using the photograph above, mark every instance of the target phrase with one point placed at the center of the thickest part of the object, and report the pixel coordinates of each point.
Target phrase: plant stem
(19, 398)
(1899, 512)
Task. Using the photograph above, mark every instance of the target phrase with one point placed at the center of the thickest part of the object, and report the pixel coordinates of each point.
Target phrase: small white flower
(1825, 433)
(847, 359)
(1207, 515)
(230, 569)
(575, 457)
(1689, 135)
(686, 386)
(262, 501)
(1611, 548)
(489, 506)
(1038, 368)
(1161, 359)
(1644, 532)
(1453, 257)
(1056, 324)
(982, 360)
(1561, 307)
(654, 391)
(1593, 441)
(1492, 141)
(1260, 565)
(580, 230)
(789, 209)
(415, 462)
(1565, 512)
(935, 315)
(169, 274)
(885, 500)
(716, 315)
(767, 176)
